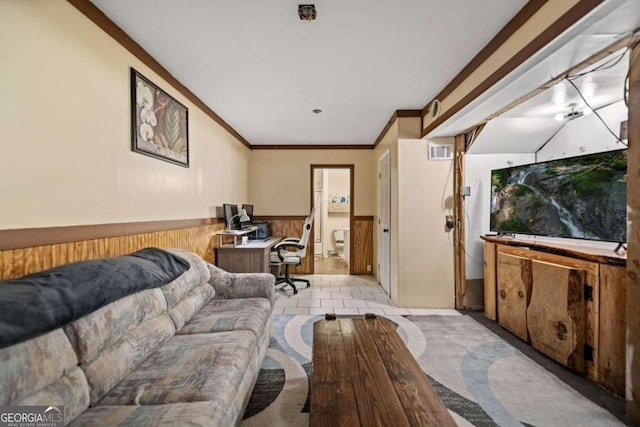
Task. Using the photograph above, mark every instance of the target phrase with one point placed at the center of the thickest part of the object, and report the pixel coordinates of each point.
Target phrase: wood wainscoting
(362, 235)
(291, 226)
(362, 253)
(26, 251)
(51, 247)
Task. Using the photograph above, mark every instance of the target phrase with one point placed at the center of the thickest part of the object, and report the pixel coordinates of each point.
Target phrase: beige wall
(65, 108)
(280, 180)
(426, 249)
(422, 272)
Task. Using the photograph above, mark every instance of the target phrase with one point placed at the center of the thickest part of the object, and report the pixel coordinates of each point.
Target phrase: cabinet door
(556, 313)
(514, 292)
(612, 327)
(490, 281)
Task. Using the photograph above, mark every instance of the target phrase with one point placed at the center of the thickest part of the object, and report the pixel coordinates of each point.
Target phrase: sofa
(118, 343)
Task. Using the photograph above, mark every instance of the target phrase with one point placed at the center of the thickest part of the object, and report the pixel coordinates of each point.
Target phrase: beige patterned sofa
(186, 352)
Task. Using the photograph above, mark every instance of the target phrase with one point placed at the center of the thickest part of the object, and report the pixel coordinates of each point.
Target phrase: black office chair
(291, 251)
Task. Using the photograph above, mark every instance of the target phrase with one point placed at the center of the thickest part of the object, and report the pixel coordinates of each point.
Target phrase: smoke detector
(307, 12)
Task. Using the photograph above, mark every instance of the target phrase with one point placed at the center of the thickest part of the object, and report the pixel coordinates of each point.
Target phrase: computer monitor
(229, 212)
(248, 209)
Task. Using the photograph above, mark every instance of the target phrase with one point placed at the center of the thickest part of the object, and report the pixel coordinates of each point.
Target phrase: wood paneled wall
(199, 239)
(362, 235)
(21, 261)
(291, 226)
(362, 253)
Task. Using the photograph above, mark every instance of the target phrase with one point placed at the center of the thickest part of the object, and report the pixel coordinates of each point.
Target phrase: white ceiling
(263, 70)
(528, 126)
(609, 22)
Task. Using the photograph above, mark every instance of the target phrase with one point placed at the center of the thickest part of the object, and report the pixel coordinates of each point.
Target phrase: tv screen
(581, 197)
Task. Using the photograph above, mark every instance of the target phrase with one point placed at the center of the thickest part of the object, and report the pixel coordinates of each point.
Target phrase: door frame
(386, 154)
(351, 168)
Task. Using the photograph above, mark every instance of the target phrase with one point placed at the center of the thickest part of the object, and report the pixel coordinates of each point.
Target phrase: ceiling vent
(434, 108)
(440, 151)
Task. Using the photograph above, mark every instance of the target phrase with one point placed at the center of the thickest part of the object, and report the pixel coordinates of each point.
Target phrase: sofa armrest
(241, 285)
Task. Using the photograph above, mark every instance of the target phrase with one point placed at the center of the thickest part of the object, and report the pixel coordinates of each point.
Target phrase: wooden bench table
(363, 374)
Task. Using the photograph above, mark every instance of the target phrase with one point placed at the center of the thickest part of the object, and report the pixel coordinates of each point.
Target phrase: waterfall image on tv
(581, 197)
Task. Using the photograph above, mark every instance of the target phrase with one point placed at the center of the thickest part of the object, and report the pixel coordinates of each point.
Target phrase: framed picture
(159, 123)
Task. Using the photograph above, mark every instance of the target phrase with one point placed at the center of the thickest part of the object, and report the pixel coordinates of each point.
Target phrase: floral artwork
(159, 122)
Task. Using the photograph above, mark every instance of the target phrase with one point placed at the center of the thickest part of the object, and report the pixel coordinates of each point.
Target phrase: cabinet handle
(503, 294)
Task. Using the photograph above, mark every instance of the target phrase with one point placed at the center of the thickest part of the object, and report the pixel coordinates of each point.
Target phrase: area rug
(482, 379)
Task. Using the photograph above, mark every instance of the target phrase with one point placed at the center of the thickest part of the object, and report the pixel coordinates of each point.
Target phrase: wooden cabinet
(571, 308)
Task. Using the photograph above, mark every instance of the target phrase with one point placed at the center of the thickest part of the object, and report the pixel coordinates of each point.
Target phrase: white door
(317, 223)
(384, 222)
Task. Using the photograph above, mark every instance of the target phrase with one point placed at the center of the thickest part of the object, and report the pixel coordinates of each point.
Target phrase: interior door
(384, 222)
(317, 222)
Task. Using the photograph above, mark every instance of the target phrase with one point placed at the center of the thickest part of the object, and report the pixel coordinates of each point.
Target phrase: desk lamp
(243, 218)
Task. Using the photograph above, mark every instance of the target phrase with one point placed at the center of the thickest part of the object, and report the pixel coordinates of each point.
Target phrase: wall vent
(440, 151)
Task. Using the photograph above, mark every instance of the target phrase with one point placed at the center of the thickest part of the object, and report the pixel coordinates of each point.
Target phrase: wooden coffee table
(363, 374)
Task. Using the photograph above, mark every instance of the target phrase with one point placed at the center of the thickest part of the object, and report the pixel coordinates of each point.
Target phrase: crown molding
(396, 114)
(108, 26)
(313, 147)
(573, 15)
(527, 11)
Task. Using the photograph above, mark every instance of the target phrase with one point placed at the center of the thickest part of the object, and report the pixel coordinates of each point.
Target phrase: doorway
(332, 193)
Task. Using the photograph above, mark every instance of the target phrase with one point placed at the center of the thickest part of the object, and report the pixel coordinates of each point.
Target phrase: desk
(251, 258)
(235, 234)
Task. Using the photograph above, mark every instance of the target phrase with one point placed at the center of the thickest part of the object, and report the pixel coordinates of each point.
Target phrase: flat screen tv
(581, 197)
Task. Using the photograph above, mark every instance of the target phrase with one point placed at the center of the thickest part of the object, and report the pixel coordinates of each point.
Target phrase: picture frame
(159, 123)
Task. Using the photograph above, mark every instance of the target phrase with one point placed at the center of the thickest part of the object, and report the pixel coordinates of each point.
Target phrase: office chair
(290, 252)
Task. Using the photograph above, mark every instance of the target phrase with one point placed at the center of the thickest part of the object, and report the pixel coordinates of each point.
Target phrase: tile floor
(342, 294)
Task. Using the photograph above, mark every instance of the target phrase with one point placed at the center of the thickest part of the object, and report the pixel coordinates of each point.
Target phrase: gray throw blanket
(41, 302)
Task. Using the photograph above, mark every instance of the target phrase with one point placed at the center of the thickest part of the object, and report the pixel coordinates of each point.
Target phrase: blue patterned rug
(483, 380)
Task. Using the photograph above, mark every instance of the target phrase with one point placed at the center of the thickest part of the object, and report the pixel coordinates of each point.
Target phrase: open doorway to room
(332, 193)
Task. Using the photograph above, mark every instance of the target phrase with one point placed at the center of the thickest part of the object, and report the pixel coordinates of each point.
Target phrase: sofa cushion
(103, 328)
(202, 414)
(187, 293)
(189, 368)
(43, 371)
(113, 340)
(41, 302)
(250, 314)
